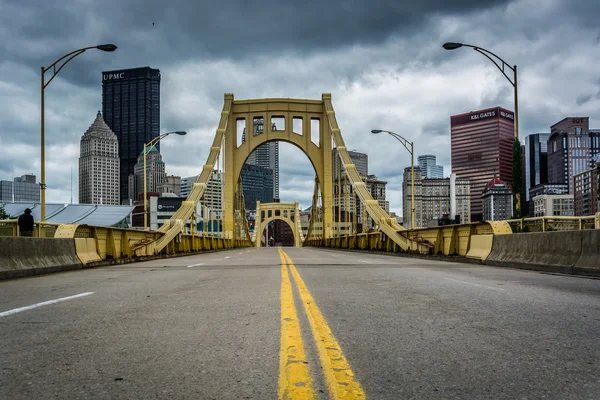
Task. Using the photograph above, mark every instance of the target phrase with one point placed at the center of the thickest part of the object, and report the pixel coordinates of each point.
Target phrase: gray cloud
(381, 60)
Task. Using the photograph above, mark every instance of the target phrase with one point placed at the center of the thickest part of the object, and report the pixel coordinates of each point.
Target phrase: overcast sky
(381, 60)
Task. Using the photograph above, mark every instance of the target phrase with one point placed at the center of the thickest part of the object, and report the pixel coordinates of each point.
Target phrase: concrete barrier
(86, 250)
(541, 251)
(589, 261)
(27, 256)
(480, 247)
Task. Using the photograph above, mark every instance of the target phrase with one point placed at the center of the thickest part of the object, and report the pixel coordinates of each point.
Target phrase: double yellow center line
(294, 374)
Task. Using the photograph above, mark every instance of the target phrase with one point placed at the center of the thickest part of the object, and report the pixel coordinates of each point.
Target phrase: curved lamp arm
(69, 57)
(158, 138)
(497, 60)
(402, 140)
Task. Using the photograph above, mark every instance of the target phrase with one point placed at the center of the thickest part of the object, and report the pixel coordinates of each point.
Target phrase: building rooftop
(89, 214)
(496, 183)
(99, 129)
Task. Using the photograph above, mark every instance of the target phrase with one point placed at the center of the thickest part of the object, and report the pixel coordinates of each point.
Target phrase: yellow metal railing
(553, 223)
(119, 243)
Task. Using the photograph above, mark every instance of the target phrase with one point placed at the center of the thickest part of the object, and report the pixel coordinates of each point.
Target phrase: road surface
(299, 323)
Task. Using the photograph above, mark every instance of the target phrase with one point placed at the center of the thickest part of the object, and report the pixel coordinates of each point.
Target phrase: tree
(517, 178)
(3, 214)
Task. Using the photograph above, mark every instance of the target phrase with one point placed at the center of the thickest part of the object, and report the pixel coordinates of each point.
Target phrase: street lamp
(146, 145)
(406, 145)
(501, 65)
(56, 66)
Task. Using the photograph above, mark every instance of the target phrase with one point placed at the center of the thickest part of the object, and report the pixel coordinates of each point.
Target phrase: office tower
(376, 187)
(428, 166)
(535, 165)
(481, 148)
(99, 165)
(360, 161)
(155, 173)
(572, 148)
(172, 184)
(265, 155)
(586, 196)
(258, 185)
(131, 108)
(434, 199)
(20, 189)
(497, 201)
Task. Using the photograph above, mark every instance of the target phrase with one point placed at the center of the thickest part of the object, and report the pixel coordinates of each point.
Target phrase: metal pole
(339, 183)
(516, 105)
(412, 189)
(518, 195)
(145, 193)
(43, 154)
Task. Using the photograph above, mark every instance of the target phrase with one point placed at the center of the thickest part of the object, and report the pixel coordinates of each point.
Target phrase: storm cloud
(381, 60)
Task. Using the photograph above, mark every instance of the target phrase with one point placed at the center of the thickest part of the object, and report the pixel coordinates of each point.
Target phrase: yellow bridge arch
(319, 153)
(288, 212)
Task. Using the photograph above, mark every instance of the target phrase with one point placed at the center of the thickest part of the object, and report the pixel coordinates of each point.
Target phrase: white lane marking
(364, 261)
(474, 284)
(227, 256)
(45, 303)
(195, 265)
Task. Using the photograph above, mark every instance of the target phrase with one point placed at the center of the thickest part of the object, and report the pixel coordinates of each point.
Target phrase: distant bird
(153, 24)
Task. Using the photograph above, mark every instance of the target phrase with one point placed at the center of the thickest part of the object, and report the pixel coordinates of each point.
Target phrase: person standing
(25, 223)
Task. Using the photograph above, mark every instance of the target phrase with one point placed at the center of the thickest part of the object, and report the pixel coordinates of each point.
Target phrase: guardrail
(118, 243)
(555, 223)
(448, 240)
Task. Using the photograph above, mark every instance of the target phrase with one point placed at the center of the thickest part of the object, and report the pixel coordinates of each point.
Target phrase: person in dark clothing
(26, 223)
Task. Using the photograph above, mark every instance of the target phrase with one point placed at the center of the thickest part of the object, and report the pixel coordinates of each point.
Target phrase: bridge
(360, 307)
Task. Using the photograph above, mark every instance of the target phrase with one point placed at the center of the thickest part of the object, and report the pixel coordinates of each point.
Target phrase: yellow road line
(294, 375)
(336, 368)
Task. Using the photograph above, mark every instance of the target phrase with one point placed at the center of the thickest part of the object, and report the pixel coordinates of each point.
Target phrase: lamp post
(406, 145)
(56, 66)
(146, 145)
(501, 65)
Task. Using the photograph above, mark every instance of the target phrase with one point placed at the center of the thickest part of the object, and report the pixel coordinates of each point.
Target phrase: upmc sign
(110, 77)
(481, 116)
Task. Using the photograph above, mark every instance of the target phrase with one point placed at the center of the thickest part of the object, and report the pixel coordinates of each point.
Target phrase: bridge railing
(108, 243)
(553, 223)
(41, 229)
(457, 240)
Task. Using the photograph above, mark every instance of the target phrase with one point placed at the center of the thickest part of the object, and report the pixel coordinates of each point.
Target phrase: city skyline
(362, 92)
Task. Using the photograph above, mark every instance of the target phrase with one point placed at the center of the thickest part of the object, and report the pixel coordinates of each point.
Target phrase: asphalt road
(239, 325)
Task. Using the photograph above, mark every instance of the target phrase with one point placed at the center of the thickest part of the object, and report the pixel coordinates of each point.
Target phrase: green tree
(3, 214)
(517, 178)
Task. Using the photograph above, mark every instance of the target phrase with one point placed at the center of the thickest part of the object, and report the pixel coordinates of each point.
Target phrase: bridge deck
(208, 326)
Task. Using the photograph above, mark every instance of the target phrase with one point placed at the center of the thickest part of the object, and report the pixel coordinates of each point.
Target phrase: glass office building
(257, 184)
(481, 147)
(20, 189)
(131, 108)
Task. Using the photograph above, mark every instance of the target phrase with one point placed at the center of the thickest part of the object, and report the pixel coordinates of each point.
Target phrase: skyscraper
(99, 165)
(434, 199)
(497, 201)
(535, 166)
(131, 108)
(155, 173)
(265, 155)
(572, 147)
(360, 161)
(481, 148)
(258, 185)
(428, 166)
